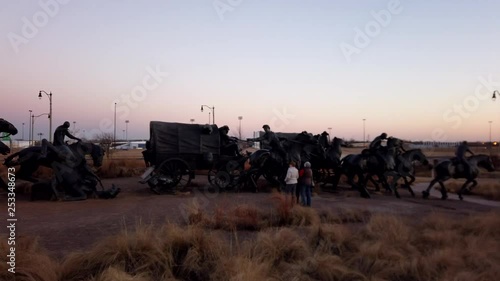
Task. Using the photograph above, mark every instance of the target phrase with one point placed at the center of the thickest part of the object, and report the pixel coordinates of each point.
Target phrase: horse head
(96, 152)
(416, 155)
(7, 127)
(482, 160)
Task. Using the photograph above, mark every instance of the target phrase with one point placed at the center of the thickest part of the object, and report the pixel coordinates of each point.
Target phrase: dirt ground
(63, 227)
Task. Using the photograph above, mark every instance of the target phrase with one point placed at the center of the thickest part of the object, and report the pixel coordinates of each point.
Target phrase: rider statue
(462, 149)
(380, 151)
(274, 142)
(58, 143)
(323, 140)
(229, 145)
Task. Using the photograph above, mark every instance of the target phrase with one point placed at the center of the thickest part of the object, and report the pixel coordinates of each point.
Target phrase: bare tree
(105, 140)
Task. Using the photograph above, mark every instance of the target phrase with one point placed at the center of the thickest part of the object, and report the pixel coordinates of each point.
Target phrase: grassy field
(282, 243)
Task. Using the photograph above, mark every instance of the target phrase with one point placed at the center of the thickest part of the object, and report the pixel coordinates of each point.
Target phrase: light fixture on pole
(239, 128)
(23, 131)
(74, 127)
(40, 135)
(114, 129)
(33, 125)
(329, 133)
(490, 144)
(29, 129)
(364, 135)
(213, 112)
(192, 120)
(126, 130)
(50, 111)
(494, 97)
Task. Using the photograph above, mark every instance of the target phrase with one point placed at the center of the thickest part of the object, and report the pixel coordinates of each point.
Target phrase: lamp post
(123, 134)
(74, 127)
(126, 130)
(364, 135)
(23, 131)
(114, 128)
(329, 133)
(29, 129)
(213, 112)
(33, 125)
(192, 120)
(40, 135)
(239, 128)
(490, 131)
(50, 111)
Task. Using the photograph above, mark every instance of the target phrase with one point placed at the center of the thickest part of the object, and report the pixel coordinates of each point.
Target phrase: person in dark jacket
(462, 149)
(307, 185)
(228, 145)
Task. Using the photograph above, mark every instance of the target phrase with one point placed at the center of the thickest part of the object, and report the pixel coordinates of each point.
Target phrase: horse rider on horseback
(274, 142)
(380, 151)
(58, 144)
(462, 149)
(229, 145)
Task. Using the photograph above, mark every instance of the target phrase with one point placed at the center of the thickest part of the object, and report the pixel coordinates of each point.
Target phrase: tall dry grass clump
(137, 253)
(195, 252)
(32, 262)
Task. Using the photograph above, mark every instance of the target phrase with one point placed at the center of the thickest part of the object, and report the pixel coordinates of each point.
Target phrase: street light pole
(239, 129)
(29, 129)
(126, 130)
(213, 112)
(490, 130)
(23, 130)
(114, 128)
(192, 121)
(364, 135)
(74, 127)
(329, 133)
(50, 111)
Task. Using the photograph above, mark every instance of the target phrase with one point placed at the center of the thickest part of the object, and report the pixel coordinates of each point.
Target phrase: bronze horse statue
(448, 169)
(405, 169)
(71, 170)
(6, 127)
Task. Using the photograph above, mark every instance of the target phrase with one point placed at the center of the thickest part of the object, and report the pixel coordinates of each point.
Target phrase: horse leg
(426, 193)
(394, 185)
(463, 188)
(362, 186)
(408, 184)
(444, 192)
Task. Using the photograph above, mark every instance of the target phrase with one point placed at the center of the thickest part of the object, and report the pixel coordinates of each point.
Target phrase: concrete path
(419, 187)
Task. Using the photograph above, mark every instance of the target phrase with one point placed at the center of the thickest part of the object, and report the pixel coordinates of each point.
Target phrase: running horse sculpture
(71, 171)
(5, 127)
(447, 170)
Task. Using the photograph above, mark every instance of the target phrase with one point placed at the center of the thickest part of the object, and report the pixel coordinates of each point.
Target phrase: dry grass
(338, 246)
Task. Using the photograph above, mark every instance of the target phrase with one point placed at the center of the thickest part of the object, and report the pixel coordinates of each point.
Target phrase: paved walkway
(419, 187)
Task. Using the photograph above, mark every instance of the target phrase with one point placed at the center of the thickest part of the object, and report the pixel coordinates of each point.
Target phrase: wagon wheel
(225, 175)
(172, 174)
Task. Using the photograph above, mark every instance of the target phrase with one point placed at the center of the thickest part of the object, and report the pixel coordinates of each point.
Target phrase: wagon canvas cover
(181, 138)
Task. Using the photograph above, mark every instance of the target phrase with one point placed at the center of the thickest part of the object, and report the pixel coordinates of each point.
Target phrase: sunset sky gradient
(427, 75)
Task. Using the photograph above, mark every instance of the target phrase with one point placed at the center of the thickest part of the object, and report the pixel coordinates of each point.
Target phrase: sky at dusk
(419, 70)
